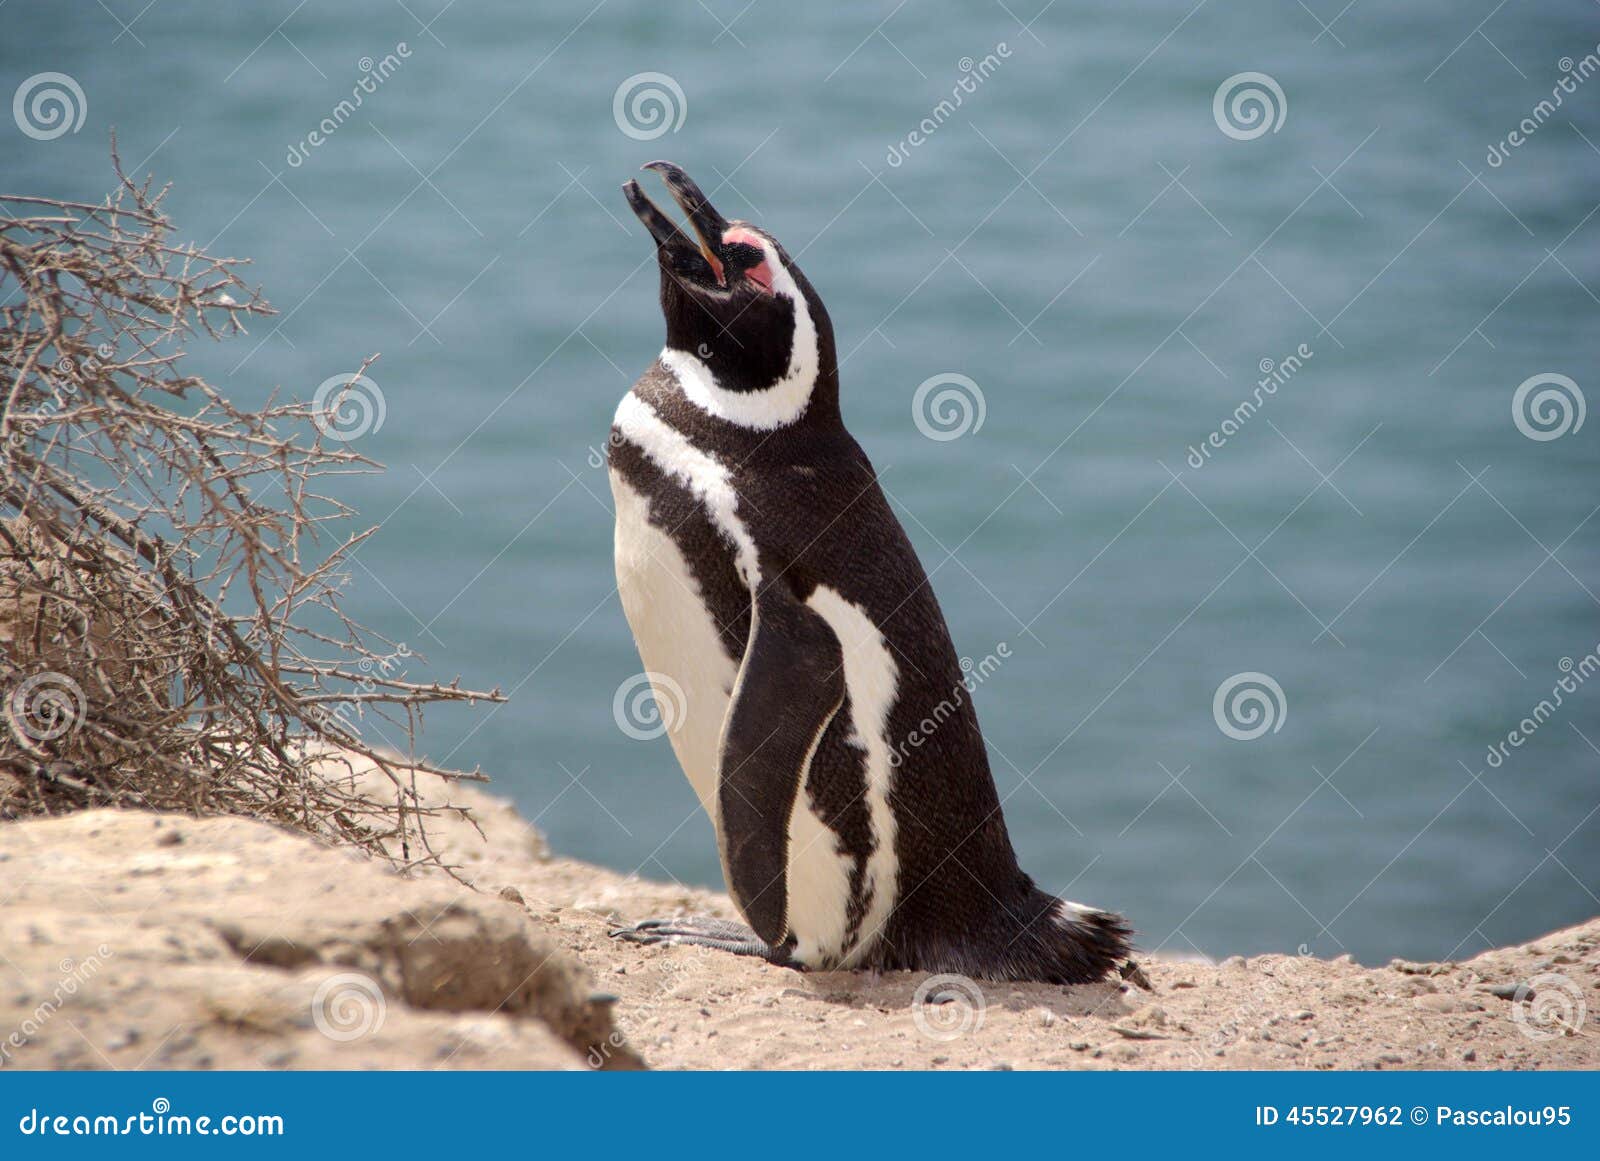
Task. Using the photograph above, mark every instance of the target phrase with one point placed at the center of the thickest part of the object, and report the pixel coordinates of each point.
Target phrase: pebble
(1079, 1046)
(1303, 1014)
(1470, 1055)
(1149, 1016)
(512, 895)
(1046, 1018)
(1443, 1002)
(1234, 961)
(1419, 969)
(1506, 991)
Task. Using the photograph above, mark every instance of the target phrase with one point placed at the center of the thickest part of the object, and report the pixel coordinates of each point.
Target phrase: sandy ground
(224, 937)
(685, 1007)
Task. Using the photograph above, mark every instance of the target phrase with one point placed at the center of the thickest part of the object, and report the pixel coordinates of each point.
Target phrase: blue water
(1379, 537)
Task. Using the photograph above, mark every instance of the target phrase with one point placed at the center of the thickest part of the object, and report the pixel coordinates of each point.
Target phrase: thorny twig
(170, 630)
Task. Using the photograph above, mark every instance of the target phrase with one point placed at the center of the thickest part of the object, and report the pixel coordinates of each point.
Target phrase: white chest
(677, 638)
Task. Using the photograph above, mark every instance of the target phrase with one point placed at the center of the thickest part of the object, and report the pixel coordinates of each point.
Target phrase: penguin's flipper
(789, 687)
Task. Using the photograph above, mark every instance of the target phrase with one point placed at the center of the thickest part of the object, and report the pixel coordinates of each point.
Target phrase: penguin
(797, 648)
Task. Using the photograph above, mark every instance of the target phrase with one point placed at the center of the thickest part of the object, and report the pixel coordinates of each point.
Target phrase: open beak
(708, 224)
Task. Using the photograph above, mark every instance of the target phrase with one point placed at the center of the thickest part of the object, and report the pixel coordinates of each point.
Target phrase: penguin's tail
(1071, 943)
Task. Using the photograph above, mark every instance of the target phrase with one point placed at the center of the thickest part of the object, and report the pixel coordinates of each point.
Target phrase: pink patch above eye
(761, 273)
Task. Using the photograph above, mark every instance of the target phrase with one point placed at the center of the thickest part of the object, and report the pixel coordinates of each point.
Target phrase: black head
(732, 296)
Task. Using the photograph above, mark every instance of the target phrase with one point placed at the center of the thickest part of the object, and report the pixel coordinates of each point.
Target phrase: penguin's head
(732, 296)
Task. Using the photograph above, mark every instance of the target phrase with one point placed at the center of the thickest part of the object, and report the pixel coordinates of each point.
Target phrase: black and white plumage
(763, 572)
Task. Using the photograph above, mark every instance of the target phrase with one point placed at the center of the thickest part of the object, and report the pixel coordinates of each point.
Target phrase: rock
(247, 937)
(1149, 1016)
(1418, 969)
(1136, 1033)
(512, 895)
(1234, 962)
(240, 931)
(1444, 1002)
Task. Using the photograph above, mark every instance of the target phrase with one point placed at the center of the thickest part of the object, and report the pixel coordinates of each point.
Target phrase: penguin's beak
(708, 224)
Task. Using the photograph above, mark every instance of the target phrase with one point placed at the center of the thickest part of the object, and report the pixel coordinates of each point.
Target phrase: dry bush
(170, 563)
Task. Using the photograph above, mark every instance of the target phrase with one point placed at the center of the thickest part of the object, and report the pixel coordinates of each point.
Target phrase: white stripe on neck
(782, 403)
(709, 479)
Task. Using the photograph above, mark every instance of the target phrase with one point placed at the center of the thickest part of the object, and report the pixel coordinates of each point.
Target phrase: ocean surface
(1250, 378)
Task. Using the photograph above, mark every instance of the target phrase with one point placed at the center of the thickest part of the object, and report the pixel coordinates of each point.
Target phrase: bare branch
(171, 635)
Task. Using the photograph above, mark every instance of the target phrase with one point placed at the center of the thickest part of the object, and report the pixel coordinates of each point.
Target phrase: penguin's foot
(704, 931)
